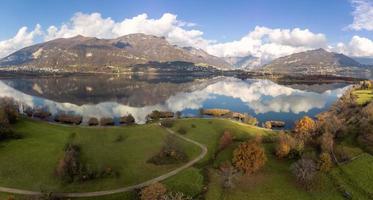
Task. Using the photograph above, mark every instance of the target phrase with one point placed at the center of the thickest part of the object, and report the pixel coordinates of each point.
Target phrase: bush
(284, 145)
(297, 148)
(250, 120)
(129, 120)
(325, 162)
(304, 171)
(41, 113)
(93, 121)
(69, 165)
(182, 130)
(176, 196)
(225, 140)
(249, 157)
(170, 153)
(228, 173)
(106, 121)
(193, 126)
(10, 107)
(153, 192)
(304, 128)
(5, 129)
(345, 153)
(267, 124)
(326, 142)
(168, 123)
(69, 119)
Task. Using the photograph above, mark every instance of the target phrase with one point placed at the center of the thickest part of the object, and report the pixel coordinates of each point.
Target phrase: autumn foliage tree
(225, 140)
(325, 162)
(304, 171)
(304, 128)
(249, 156)
(326, 142)
(153, 192)
(284, 145)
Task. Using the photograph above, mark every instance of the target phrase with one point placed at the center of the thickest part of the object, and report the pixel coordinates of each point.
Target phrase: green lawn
(356, 177)
(30, 162)
(363, 96)
(274, 181)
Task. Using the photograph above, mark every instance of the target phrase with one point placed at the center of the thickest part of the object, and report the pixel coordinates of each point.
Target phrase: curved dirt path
(123, 189)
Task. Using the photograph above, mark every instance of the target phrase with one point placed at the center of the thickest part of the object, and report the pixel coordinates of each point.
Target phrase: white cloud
(263, 43)
(268, 44)
(22, 39)
(363, 15)
(94, 25)
(357, 47)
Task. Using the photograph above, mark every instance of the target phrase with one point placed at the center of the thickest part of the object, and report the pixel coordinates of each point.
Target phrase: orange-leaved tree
(284, 145)
(249, 156)
(304, 128)
(153, 192)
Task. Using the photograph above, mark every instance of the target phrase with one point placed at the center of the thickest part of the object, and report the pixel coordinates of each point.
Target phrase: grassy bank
(30, 162)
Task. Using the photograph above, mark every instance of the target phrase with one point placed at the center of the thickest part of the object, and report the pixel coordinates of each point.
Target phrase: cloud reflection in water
(261, 96)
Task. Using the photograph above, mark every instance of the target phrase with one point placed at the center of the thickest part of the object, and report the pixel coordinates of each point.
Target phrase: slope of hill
(317, 62)
(81, 54)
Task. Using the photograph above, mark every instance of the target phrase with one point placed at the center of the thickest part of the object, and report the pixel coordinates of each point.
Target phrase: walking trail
(123, 189)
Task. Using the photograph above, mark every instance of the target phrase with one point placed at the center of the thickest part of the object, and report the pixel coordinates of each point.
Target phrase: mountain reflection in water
(103, 96)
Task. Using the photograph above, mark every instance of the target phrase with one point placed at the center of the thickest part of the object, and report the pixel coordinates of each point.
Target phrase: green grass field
(29, 163)
(274, 181)
(363, 96)
(34, 158)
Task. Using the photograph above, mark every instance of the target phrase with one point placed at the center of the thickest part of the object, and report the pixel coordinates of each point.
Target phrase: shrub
(297, 148)
(193, 126)
(225, 140)
(106, 121)
(304, 128)
(182, 130)
(156, 115)
(325, 162)
(267, 124)
(249, 156)
(5, 129)
(93, 121)
(331, 124)
(304, 171)
(345, 153)
(284, 145)
(176, 196)
(69, 119)
(170, 153)
(215, 112)
(10, 107)
(41, 113)
(326, 142)
(168, 123)
(250, 120)
(129, 120)
(69, 165)
(178, 115)
(153, 192)
(228, 173)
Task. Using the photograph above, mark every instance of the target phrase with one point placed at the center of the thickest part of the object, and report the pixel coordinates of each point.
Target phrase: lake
(115, 96)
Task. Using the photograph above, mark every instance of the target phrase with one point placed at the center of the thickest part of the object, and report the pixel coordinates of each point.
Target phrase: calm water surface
(115, 96)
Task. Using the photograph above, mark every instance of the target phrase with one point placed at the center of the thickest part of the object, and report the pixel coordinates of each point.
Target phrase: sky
(264, 29)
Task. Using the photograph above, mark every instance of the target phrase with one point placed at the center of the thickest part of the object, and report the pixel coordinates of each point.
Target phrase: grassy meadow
(36, 154)
(363, 96)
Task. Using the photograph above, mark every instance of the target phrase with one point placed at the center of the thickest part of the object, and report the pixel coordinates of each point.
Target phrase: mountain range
(86, 54)
(317, 62)
(147, 53)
